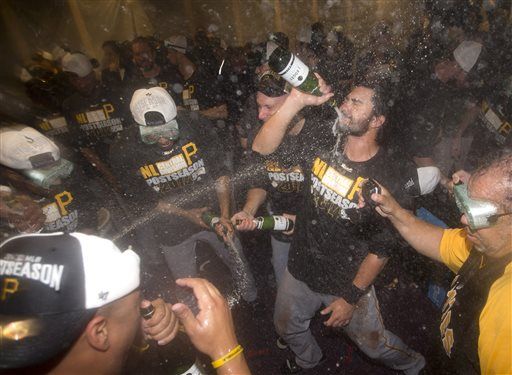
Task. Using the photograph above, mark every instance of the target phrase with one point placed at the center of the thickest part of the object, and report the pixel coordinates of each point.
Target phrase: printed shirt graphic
(328, 247)
(72, 207)
(54, 125)
(95, 118)
(183, 167)
(495, 121)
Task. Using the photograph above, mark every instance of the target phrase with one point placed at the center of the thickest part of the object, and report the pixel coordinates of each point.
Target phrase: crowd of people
(167, 144)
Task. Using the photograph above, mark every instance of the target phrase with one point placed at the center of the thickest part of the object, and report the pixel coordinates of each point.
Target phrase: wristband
(353, 294)
(228, 357)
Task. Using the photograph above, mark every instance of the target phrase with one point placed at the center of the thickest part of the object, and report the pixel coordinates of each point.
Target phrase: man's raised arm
(273, 131)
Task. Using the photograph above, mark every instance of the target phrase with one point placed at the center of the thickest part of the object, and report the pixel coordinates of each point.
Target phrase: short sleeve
(454, 248)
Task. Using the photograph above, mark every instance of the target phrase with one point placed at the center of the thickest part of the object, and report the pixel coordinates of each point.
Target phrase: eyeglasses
(479, 214)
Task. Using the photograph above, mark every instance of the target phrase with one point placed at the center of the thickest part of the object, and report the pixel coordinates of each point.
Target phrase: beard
(360, 128)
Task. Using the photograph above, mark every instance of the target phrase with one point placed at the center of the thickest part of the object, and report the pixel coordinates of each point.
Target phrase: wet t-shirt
(95, 120)
(201, 91)
(73, 207)
(280, 175)
(183, 176)
(329, 245)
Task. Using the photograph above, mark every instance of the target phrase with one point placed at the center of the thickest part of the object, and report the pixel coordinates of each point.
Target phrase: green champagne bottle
(210, 219)
(294, 71)
(275, 222)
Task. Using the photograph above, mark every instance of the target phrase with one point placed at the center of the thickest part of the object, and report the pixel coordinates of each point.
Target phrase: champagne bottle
(274, 222)
(176, 358)
(210, 219)
(294, 71)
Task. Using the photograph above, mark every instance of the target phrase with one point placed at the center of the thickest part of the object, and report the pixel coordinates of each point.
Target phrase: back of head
(52, 286)
(271, 84)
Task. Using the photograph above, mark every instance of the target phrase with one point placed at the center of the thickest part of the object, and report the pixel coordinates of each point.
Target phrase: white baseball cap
(155, 112)
(466, 54)
(22, 147)
(77, 63)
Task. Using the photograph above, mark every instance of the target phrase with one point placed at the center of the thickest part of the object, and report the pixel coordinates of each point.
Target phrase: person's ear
(377, 121)
(96, 333)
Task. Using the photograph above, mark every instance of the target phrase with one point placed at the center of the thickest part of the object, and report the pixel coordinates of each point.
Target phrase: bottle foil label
(280, 223)
(295, 72)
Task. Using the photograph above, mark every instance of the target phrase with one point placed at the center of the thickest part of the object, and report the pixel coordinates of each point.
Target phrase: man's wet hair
(271, 84)
(380, 99)
(499, 163)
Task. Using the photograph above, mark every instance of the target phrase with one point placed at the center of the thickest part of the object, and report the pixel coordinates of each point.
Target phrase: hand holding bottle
(224, 229)
(302, 99)
(243, 221)
(163, 325)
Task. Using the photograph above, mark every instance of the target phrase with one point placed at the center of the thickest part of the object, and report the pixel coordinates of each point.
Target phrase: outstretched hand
(212, 331)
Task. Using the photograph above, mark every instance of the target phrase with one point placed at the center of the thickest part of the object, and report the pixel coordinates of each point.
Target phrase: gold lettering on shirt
(188, 150)
(337, 182)
(319, 168)
(108, 109)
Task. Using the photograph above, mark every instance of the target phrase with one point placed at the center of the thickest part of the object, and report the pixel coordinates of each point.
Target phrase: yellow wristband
(228, 357)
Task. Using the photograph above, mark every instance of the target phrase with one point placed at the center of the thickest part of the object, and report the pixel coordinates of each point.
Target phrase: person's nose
(263, 114)
(464, 220)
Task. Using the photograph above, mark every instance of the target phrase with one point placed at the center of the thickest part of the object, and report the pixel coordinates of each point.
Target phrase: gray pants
(181, 260)
(280, 251)
(296, 305)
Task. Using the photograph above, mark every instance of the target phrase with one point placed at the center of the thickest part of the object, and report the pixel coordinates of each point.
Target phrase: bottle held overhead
(294, 71)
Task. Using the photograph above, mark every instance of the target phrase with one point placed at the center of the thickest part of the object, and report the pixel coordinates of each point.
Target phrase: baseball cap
(22, 147)
(154, 110)
(466, 54)
(52, 286)
(177, 42)
(77, 63)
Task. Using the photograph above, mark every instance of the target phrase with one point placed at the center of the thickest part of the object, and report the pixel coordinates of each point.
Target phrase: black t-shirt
(201, 91)
(183, 176)
(328, 248)
(168, 78)
(73, 207)
(94, 120)
(280, 175)
(496, 118)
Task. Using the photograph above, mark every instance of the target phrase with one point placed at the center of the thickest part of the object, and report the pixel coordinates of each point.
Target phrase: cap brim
(148, 130)
(51, 336)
